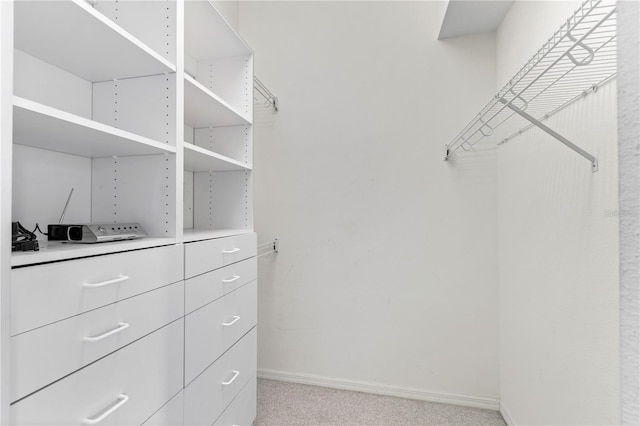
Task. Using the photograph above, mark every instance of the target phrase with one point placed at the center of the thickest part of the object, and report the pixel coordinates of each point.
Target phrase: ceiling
(466, 17)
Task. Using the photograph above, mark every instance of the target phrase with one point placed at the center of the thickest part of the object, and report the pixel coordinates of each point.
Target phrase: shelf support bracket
(558, 136)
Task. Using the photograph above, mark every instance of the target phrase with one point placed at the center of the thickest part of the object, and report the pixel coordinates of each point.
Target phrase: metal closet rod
(266, 248)
(270, 98)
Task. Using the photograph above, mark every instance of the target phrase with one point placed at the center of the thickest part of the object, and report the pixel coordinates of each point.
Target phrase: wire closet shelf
(577, 59)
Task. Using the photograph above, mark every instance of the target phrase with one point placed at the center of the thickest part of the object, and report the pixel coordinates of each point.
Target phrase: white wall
(230, 10)
(387, 272)
(629, 143)
(558, 250)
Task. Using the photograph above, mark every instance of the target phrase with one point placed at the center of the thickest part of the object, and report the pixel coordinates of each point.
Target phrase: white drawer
(212, 329)
(207, 396)
(47, 293)
(210, 286)
(138, 380)
(170, 414)
(242, 410)
(41, 356)
(205, 256)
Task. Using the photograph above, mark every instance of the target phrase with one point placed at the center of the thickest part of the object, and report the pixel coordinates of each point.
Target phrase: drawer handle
(230, 280)
(236, 373)
(235, 250)
(235, 319)
(120, 279)
(122, 399)
(121, 326)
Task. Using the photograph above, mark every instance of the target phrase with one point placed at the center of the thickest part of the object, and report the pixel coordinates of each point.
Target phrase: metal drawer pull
(122, 399)
(235, 319)
(235, 250)
(120, 279)
(121, 326)
(230, 280)
(236, 373)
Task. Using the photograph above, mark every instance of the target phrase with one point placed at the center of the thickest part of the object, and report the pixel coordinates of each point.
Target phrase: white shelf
(76, 38)
(198, 159)
(209, 35)
(203, 108)
(40, 126)
(578, 58)
(56, 251)
(191, 235)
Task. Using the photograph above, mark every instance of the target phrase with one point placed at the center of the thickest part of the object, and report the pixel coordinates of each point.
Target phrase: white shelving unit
(143, 111)
(43, 127)
(197, 159)
(203, 108)
(218, 113)
(191, 235)
(58, 251)
(209, 35)
(98, 113)
(577, 59)
(42, 30)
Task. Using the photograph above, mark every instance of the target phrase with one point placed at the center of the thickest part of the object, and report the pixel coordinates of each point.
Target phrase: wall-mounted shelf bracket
(269, 98)
(558, 136)
(265, 249)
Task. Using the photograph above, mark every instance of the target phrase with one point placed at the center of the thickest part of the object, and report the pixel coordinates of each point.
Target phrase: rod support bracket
(556, 135)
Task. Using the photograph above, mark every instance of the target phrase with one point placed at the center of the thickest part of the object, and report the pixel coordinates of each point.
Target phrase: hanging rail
(270, 98)
(265, 249)
(580, 56)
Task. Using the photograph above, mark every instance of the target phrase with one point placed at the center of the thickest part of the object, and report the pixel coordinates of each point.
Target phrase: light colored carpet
(281, 403)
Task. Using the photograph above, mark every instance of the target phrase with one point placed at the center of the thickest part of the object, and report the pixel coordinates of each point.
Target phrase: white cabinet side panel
(231, 79)
(223, 200)
(153, 22)
(41, 82)
(189, 134)
(135, 189)
(42, 182)
(144, 106)
(6, 147)
(187, 205)
(231, 141)
(179, 119)
(191, 65)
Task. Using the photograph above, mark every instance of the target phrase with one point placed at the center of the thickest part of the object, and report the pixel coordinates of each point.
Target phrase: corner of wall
(629, 172)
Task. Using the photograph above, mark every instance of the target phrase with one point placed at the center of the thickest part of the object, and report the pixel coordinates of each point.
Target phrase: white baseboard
(487, 403)
(506, 415)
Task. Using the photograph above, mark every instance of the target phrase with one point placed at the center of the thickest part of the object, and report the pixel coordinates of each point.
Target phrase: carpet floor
(282, 403)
